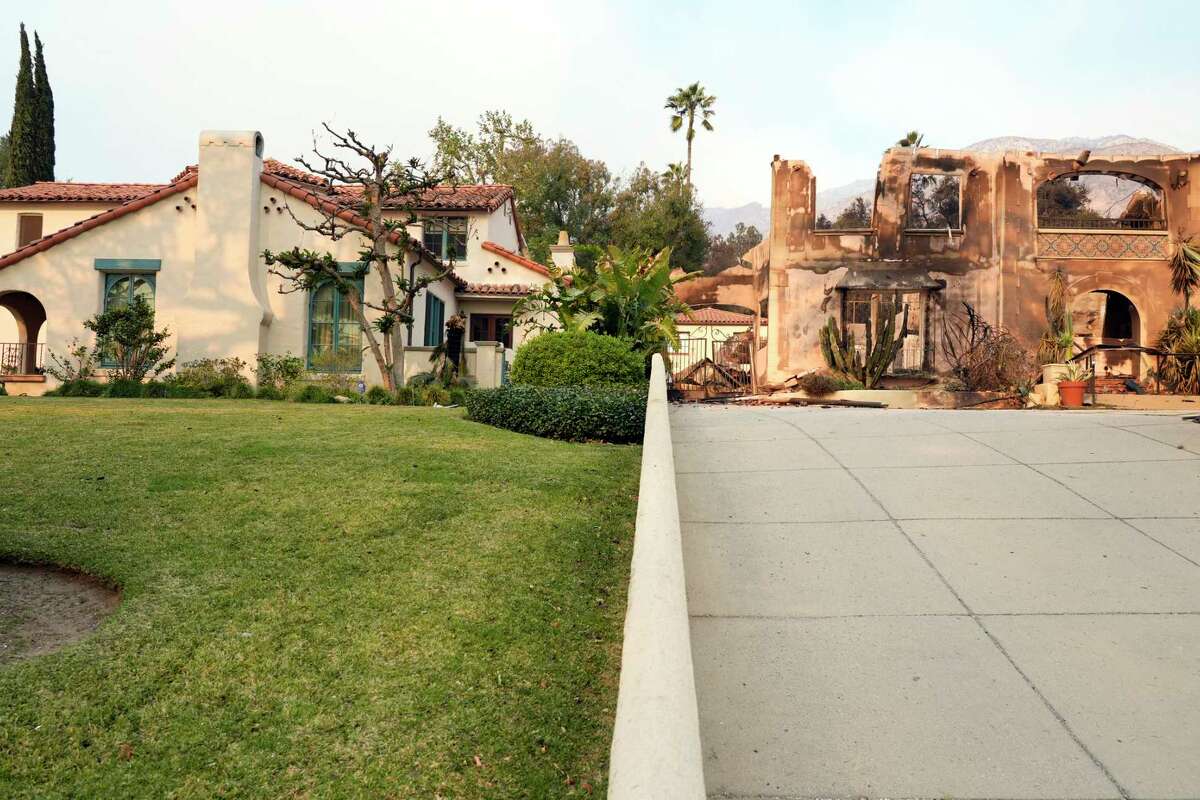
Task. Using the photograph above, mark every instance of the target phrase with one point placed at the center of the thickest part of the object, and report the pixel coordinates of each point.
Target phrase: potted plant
(1073, 384)
(1058, 341)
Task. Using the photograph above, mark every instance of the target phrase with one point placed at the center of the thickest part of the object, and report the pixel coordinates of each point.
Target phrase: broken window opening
(934, 202)
(866, 309)
(856, 215)
(1101, 201)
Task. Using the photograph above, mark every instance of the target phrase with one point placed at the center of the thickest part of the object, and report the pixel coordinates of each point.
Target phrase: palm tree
(1185, 270)
(912, 139)
(684, 105)
(675, 174)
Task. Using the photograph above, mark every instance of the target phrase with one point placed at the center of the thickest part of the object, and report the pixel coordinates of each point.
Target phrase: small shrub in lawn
(578, 359)
(458, 395)
(435, 394)
(378, 396)
(270, 392)
(82, 387)
(279, 371)
(214, 377)
(403, 396)
(310, 393)
(123, 388)
(154, 389)
(572, 413)
(3, 391)
(179, 391)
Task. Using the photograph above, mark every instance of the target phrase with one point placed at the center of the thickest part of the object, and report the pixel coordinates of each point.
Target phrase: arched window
(334, 335)
(1101, 201)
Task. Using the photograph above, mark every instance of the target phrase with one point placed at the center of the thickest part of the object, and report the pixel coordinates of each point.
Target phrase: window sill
(933, 231)
(1103, 231)
(844, 231)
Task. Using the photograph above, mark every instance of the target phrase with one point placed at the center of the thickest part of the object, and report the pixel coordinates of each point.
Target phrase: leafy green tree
(654, 213)
(125, 335)
(727, 251)
(1063, 198)
(911, 139)
(23, 153)
(823, 222)
(630, 293)
(557, 187)
(684, 105)
(855, 215)
(44, 128)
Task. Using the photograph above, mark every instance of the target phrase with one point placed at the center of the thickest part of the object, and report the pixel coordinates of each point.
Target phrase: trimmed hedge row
(578, 359)
(572, 413)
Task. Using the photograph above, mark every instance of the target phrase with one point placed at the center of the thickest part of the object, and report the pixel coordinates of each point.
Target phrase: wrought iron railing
(21, 358)
(1102, 223)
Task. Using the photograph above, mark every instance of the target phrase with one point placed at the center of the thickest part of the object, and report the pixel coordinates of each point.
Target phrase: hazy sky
(832, 83)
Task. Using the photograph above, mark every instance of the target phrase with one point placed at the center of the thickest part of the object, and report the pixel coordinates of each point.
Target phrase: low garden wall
(656, 740)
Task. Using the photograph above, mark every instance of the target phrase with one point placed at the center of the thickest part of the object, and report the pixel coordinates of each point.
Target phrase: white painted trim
(656, 749)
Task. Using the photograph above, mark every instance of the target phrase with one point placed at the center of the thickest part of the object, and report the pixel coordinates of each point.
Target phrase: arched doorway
(23, 355)
(1108, 317)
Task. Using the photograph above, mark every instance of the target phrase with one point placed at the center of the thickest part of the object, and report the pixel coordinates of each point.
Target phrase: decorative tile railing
(1076, 244)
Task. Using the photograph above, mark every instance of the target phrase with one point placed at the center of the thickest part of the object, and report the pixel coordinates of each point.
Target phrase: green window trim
(334, 335)
(435, 319)
(128, 264)
(119, 289)
(446, 236)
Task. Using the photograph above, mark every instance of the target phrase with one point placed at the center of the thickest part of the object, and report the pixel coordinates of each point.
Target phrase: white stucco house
(193, 247)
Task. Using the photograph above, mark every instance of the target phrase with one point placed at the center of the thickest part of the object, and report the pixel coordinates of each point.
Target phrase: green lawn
(319, 601)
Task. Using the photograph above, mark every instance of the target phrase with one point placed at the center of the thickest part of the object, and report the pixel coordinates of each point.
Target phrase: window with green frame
(334, 335)
(435, 319)
(119, 290)
(446, 237)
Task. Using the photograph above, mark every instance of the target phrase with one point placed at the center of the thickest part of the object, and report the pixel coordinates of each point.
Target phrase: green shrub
(270, 392)
(435, 394)
(123, 388)
(154, 389)
(279, 371)
(310, 393)
(578, 359)
(379, 396)
(179, 391)
(458, 396)
(81, 387)
(572, 413)
(3, 391)
(214, 377)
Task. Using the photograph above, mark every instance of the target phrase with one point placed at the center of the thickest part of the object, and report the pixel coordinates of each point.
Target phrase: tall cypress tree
(45, 113)
(23, 136)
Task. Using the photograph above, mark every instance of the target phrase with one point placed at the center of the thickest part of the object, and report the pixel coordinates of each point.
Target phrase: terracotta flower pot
(1071, 393)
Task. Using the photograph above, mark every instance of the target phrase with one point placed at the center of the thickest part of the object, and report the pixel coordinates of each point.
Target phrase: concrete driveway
(968, 604)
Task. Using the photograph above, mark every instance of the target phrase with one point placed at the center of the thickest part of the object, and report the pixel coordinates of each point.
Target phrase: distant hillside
(832, 201)
(1099, 145)
(723, 220)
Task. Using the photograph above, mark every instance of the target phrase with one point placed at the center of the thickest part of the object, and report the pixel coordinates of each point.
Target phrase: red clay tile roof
(71, 192)
(515, 258)
(46, 242)
(498, 289)
(473, 197)
(714, 316)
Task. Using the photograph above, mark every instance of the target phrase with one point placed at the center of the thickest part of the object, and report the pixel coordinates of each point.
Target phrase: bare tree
(354, 205)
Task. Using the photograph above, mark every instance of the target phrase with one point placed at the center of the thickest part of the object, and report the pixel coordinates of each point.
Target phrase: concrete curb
(656, 750)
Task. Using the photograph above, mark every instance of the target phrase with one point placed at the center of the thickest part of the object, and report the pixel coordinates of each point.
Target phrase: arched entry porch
(23, 356)
(1108, 317)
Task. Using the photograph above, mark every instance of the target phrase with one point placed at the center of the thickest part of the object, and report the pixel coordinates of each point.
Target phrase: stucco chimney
(227, 310)
(563, 253)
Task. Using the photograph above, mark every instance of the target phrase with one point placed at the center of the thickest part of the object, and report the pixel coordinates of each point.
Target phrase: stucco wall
(55, 216)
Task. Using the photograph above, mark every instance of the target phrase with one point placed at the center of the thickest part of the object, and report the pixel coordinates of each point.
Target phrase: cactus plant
(881, 348)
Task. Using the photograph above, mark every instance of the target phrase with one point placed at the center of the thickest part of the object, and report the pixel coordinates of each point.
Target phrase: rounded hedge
(578, 359)
(572, 413)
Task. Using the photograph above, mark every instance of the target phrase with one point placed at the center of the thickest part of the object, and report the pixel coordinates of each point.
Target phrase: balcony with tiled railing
(1071, 237)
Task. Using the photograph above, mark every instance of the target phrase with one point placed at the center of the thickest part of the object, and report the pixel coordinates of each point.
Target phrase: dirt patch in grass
(43, 609)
